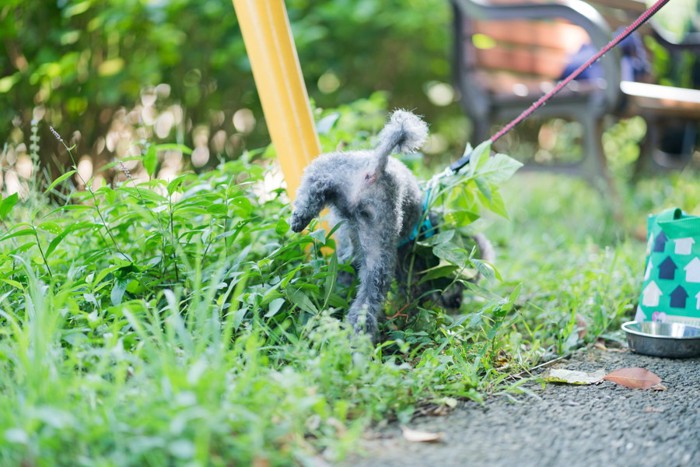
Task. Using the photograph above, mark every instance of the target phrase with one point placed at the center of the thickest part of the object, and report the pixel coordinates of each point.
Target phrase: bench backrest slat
(549, 34)
(527, 52)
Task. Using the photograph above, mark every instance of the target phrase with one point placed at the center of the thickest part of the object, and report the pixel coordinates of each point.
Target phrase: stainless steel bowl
(671, 340)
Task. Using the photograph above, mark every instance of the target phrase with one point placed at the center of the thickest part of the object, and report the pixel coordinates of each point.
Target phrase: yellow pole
(273, 57)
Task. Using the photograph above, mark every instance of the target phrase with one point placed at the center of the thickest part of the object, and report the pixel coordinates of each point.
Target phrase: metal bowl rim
(627, 329)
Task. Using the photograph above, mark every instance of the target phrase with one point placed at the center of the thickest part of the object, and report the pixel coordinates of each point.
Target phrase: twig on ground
(541, 365)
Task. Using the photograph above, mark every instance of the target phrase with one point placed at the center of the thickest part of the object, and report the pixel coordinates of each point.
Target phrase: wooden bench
(508, 53)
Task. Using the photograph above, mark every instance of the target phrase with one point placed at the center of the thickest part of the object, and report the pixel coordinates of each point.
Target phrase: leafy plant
(180, 69)
(176, 321)
(166, 311)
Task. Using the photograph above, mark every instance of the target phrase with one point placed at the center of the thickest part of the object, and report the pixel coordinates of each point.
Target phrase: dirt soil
(562, 425)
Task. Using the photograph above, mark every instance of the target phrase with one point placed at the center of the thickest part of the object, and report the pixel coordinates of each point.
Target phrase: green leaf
(331, 277)
(218, 210)
(109, 194)
(17, 233)
(59, 238)
(242, 206)
(7, 204)
(442, 237)
(141, 194)
(274, 307)
(54, 243)
(479, 155)
(301, 300)
(496, 204)
(467, 149)
(51, 227)
(319, 235)
(76, 9)
(483, 187)
(150, 160)
(485, 269)
(290, 275)
(513, 296)
(326, 124)
(59, 180)
(111, 67)
(439, 271)
(462, 217)
(25, 247)
(499, 168)
(282, 226)
(452, 253)
(13, 283)
(104, 272)
(174, 147)
(118, 291)
(8, 82)
(175, 183)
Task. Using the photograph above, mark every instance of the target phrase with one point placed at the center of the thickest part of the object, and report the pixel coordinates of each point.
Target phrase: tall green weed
(180, 321)
(161, 322)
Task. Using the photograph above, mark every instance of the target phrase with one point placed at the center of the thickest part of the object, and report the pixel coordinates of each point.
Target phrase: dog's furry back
(361, 185)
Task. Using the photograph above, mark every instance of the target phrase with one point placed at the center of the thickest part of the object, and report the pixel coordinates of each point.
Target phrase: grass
(181, 322)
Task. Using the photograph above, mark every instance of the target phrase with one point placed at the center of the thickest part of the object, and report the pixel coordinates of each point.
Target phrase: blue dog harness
(424, 228)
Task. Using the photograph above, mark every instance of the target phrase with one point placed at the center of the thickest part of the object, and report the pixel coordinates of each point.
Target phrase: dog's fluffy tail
(405, 131)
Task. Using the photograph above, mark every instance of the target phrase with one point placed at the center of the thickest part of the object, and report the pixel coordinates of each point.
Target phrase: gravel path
(564, 425)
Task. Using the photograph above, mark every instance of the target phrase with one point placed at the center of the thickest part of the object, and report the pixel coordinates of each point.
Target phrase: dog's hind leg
(376, 268)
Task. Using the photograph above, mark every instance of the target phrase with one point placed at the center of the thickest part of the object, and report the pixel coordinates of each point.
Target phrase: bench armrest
(690, 43)
(574, 11)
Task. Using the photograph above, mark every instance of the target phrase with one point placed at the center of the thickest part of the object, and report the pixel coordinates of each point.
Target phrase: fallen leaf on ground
(600, 345)
(582, 326)
(437, 408)
(610, 345)
(633, 378)
(432, 410)
(650, 409)
(417, 436)
(558, 375)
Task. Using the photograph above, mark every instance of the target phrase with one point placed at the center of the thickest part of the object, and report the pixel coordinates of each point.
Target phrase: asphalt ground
(561, 425)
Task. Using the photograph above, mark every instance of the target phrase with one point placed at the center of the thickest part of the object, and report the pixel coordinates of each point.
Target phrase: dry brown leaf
(633, 378)
(600, 345)
(582, 326)
(433, 410)
(609, 345)
(417, 436)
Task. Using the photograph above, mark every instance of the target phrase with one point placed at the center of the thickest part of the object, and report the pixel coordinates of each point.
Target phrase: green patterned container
(671, 288)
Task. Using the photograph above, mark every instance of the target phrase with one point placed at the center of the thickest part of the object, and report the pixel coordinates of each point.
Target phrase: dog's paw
(363, 321)
(298, 222)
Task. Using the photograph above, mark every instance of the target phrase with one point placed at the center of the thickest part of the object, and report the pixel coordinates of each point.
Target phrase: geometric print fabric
(671, 286)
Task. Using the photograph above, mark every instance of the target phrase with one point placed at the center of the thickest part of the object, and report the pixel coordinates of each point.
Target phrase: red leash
(542, 100)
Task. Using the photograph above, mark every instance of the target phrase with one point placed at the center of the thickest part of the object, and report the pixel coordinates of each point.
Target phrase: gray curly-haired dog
(379, 203)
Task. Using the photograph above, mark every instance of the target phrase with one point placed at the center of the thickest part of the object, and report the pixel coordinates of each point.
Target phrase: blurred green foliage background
(113, 76)
(177, 70)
